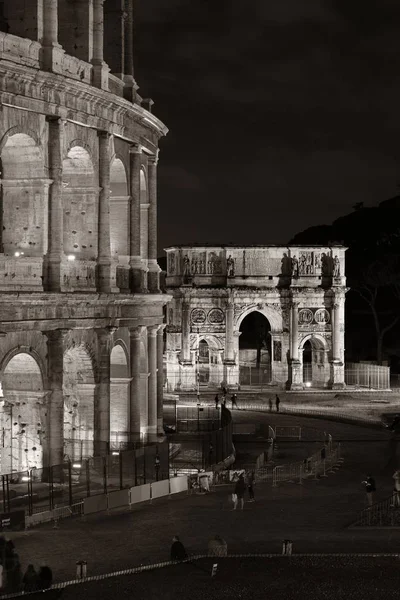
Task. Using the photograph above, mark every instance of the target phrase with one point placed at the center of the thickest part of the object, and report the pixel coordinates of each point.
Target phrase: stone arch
(315, 363)
(78, 391)
(80, 203)
(144, 214)
(24, 419)
(273, 316)
(24, 191)
(212, 340)
(119, 395)
(255, 344)
(119, 208)
(20, 129)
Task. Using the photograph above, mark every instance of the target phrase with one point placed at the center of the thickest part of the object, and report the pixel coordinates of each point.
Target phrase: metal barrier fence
(385, 513)
(365, 375)
(64, 485)
(318, 465)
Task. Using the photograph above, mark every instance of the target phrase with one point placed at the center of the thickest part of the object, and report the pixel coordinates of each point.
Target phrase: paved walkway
(315, 515)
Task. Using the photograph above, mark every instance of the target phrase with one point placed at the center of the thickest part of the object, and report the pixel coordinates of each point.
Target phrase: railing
(385, 513)
(318, 465)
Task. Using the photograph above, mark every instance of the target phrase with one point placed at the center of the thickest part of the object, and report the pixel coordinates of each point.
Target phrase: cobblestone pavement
(314, 515)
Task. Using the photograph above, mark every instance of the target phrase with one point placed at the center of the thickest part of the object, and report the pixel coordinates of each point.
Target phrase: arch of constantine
(81, 326)
(298, 294)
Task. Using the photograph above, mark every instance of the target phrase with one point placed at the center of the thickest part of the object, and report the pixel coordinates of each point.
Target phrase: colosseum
(81, 333)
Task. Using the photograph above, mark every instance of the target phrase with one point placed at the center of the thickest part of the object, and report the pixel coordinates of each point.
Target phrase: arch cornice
(312, 337)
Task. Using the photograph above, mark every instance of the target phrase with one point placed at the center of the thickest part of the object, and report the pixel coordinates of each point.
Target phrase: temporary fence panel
(160, 488)
(118, 499)
(141, 493)
(178, 484)
(288, 432)
(94, 504)
(367, 375)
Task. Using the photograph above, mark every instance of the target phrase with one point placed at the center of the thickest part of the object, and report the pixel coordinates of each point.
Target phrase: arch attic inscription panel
(298, 293)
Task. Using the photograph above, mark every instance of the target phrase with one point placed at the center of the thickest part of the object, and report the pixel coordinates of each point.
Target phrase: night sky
(282, 113)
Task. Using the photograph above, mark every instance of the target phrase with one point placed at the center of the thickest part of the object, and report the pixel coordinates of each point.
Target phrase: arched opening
(80, 205)
(255, 350)
(203, 363)
(119, 397)
(307, 363)
(119, 210)
(144, 216)
(24, 422)
(78, 391)
(24, 194)
(316, 370)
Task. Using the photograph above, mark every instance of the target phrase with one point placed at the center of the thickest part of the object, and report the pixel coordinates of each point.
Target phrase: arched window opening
(24, 422)
(119, 398)
(255, 350)
(24, 198)
(119, 210)
(203, 362)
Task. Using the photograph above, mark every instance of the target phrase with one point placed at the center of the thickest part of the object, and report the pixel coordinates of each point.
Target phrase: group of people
(370, 489)
(277, 403)
(223, 402)
(240, 489)
(13, 579)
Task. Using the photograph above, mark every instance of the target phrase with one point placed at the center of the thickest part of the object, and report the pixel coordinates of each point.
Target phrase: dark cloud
(281, 114)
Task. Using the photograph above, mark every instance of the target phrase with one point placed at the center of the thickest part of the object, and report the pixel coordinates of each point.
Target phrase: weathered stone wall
(74, 251)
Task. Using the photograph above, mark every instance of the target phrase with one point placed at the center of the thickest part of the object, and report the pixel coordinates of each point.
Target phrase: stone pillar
(337, 365)
(55, 252)
(135, 260)
(134, 412)
(296, 382)
(104, 254)
(55, 402)
(229, 337)
(100, 69)
(185, 357)
(52, 53)
(152, 389)
(102, 392)
(129, 80)
(154, 269)
(114, 36)
(160, 380)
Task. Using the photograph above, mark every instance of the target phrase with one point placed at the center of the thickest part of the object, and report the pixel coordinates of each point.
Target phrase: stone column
(296, 378)
(52, 53)
(100, 69)
(104, 253)
(55, 252)
(337, 365)
(114, 36)
(160, 380)
(154, 269)
(135, 260)
(55, 402)
(185, 344)
(229, 338)
(129, 80)
(102, 392)
(152, 389)
(134, 412)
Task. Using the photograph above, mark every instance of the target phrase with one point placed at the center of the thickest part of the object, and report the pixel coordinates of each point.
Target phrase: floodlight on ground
(71, 257)
(77, 466)
(17, 254)
(25, 478)
(115, 453)
(308, 383)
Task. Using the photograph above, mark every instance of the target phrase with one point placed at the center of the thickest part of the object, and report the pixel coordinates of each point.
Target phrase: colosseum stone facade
(81, 334)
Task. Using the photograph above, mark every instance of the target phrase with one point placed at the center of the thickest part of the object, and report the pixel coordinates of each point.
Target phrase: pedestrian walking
(30, 579)
(234, 401)
(238, 494)
(224, 391)
(396, 490)
(178, 551)
(370, 489)
(277, 402)
(224, 403)
(250, 486)
(216, 401)
(45, 578)
(270, 405)
(204, 482)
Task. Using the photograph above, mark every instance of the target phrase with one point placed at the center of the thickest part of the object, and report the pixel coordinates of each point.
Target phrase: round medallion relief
(321, 316)
(216, 316)
(198, 316)
(305, 316)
